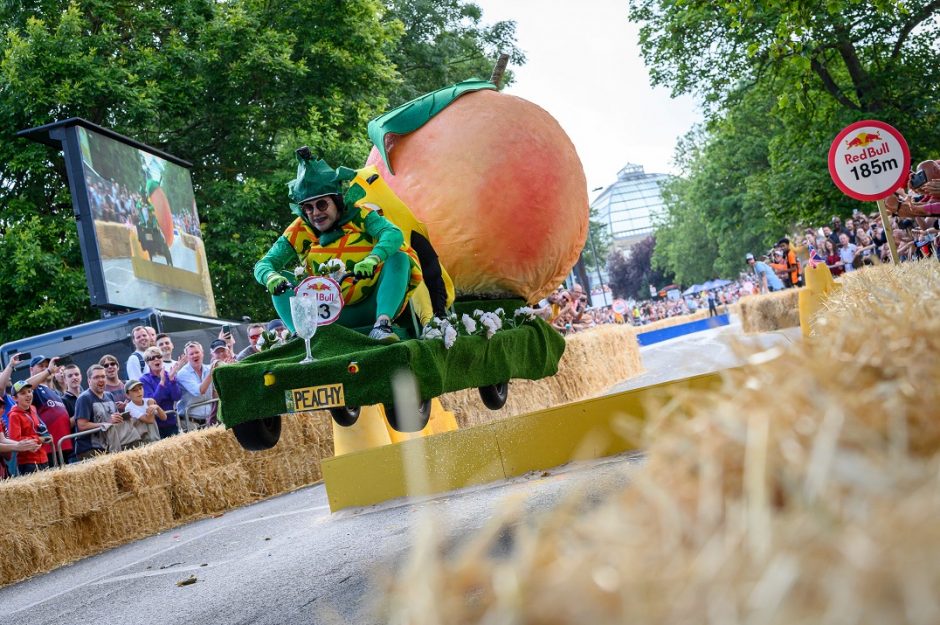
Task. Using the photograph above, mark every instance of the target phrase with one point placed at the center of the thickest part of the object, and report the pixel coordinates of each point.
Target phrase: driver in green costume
(329, 225)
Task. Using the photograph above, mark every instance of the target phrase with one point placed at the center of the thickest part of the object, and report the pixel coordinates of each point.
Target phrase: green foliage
(778, 80)
(444, 42)
(632, 273)
(599, 241)
(233, 87)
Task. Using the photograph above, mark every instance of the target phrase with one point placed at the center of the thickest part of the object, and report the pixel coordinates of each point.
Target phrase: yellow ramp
(592, 428)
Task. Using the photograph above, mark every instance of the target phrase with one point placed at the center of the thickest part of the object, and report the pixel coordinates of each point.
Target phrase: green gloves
(365, 268)
(274, 281)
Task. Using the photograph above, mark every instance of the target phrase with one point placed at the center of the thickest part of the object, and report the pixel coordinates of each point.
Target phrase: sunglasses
(254, 337)
(155, 358)
(320, 205)
(110, 364)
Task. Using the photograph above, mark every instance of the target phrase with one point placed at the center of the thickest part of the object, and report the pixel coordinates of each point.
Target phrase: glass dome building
(629, 206)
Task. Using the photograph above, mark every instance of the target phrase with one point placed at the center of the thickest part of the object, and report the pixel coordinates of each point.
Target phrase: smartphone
(226, 329)
(24, 356)
(918, 178)
(63, 361)
(126, 415)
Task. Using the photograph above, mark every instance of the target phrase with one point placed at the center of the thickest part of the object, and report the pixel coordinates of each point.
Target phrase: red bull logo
(863, 139)
(863, 142)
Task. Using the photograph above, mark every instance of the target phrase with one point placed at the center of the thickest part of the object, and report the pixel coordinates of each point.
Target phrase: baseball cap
(216, 344)
(20, 385)
(748, 256)
(131, 384)
(37, 359)
(274, 324)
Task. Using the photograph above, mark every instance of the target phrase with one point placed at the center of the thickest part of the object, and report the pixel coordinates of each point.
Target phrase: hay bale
(771, 311)
(30, 501)
(21, 553)
(593, 360)
(86, 487)
(806, 489)
(135, 515)
(210, 491)
(279, 470)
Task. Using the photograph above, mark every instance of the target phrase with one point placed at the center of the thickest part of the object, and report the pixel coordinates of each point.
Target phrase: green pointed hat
(315, 178)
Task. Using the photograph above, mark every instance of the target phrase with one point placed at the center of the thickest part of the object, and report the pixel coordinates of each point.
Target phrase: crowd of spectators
(154, 394)
(114, 202)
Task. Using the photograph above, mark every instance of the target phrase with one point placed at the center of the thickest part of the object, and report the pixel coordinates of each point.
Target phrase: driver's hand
(275, 282)
(365, 268)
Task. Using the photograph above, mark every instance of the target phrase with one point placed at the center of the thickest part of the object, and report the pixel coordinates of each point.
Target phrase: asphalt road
(287, 560)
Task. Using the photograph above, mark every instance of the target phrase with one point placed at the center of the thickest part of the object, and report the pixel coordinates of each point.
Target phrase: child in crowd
(143, 413)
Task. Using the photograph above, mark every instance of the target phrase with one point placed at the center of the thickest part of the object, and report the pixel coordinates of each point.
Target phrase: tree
(778, 80)
(632, 273)
(597, 246)
(444, 42)
(233, 87)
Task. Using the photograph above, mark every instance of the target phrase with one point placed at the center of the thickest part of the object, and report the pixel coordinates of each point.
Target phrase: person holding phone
(49, 403)
(95, 410)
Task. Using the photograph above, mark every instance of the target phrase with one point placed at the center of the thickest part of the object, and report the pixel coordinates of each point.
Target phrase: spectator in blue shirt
(767, 278)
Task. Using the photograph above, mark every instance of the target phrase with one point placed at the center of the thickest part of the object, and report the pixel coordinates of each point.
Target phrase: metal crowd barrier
(188, 418)
(59, 456)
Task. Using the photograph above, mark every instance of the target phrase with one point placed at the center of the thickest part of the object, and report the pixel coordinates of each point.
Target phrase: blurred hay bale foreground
(770, 311)
(594, 359)
(805, 490)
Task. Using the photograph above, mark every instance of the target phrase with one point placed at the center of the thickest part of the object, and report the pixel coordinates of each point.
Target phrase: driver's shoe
(382, 331)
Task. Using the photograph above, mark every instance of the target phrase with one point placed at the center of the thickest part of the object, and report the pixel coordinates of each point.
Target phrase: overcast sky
(584, 68)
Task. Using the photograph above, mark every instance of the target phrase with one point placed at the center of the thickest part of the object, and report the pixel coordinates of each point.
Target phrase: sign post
(869, 160)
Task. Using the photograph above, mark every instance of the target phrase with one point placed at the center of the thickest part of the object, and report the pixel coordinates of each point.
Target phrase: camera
(918, 178)
(906, 224)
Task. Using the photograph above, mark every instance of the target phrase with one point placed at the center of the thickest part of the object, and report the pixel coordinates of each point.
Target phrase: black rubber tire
(408, 425)
(345, 416)
(259, 434)
(494, 396)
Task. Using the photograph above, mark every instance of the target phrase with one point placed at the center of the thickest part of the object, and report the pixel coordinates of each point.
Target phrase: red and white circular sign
(328, 294)
(869, 160)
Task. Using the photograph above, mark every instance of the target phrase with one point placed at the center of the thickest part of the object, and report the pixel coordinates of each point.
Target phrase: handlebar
(283, 287)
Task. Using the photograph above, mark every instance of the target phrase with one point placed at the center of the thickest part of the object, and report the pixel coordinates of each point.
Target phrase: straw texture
(805, 490)
(771, 311)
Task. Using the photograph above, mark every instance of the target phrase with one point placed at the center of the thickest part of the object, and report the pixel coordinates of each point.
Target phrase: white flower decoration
(450, 336)
(468, 324)
(299, 270)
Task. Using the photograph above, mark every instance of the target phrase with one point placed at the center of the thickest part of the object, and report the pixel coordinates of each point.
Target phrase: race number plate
(315, 398)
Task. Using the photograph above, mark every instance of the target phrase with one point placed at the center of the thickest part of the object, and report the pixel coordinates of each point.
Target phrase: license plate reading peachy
(315, 398)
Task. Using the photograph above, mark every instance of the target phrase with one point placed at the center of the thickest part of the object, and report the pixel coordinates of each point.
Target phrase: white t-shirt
(136, 411)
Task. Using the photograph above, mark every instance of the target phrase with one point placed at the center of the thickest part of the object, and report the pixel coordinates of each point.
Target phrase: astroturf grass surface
(530, 351)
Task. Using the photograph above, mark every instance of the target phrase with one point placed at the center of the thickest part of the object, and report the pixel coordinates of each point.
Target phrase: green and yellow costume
(358, 232)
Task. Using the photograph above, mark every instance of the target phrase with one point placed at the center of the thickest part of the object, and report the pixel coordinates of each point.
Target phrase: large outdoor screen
(149, 245)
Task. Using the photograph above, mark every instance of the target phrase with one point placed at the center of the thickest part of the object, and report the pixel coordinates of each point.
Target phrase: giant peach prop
(501, 189)
(161, 209)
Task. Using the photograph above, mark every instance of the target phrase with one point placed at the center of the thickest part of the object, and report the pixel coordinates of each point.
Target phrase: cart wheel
(415, 424)
(345, 416)
(494, 396)
(260, 434)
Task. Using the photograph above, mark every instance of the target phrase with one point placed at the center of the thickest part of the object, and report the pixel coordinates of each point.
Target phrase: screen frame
(63, 135)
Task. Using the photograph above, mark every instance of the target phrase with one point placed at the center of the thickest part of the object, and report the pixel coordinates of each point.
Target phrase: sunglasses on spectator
(155, 358)
(320, 205)
(254, 337)
(110, 364)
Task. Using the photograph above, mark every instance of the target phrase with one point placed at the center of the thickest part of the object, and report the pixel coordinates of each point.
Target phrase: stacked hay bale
(806, 490)
(55, 517)
(593, 360)
(771, 311)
